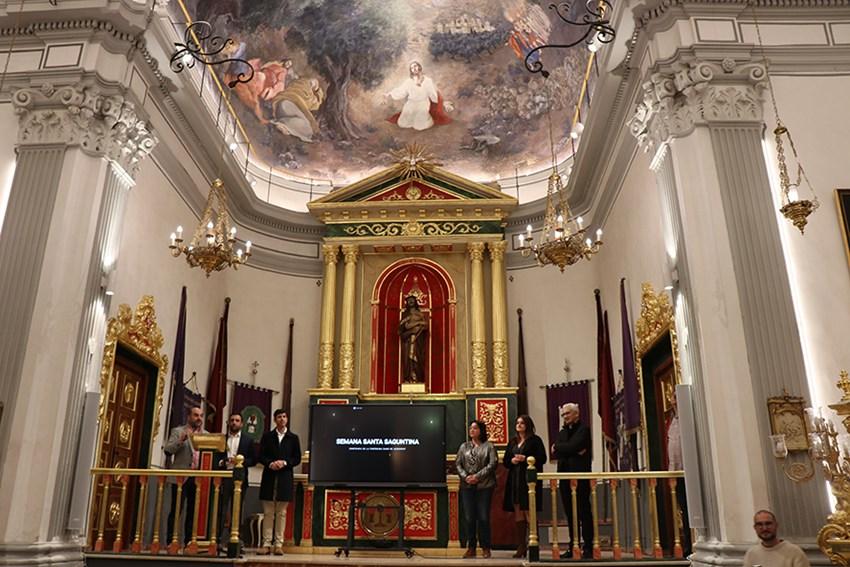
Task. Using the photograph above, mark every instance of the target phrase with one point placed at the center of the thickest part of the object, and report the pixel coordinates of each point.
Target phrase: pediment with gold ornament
(414, 198)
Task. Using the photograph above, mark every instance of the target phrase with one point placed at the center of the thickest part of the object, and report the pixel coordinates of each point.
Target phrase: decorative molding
(479, 364)
(350, 253)
(497, 249)
(346, 365)
(501, 377)
(476, 251)
(326, 365)
(84, 115)
(689, 92)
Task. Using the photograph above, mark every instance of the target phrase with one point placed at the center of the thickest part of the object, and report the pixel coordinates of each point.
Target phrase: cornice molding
(688, 92)
(103, 123)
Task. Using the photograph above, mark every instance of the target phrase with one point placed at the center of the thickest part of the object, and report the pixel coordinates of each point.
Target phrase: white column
(710, 116)
(61, 230)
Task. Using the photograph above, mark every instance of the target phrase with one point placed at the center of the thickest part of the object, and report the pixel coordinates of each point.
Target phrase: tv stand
(355, 506)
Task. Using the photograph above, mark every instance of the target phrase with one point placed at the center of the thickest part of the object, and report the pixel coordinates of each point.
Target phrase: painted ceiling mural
(342, 83)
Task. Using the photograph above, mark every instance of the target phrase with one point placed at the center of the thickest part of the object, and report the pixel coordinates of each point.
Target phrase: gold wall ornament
(656, 317)
(139, 332)
(346, 365)
(326, 365)
(479, 364)
(500, 364)
(787, 418)
(211, 247)
(414, 161)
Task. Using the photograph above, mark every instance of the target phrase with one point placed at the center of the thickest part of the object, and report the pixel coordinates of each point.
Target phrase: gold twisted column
(479, 345)
(157, 515)
(346, 340)
(326, 330)
(615, 523)
(553, 494)
(138, 544)
(501, 377)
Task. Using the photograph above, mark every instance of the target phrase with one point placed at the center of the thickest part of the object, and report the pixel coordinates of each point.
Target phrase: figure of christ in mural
(423, 106)
(413, 331)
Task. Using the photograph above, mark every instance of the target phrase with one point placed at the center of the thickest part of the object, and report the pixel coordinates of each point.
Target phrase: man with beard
(772, 551)
(184, 456)
(237, 444)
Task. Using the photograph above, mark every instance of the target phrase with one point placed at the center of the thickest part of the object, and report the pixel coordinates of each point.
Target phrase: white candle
(528, 231)
(580, 222)
(598, 234)
(588, 243)
(180, 232)
(793, 195)
(560, 221)
(248, 247)
(173, 239)
(209, 225)
(521, 240)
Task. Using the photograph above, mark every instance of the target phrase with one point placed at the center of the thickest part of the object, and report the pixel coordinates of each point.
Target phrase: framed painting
(842, 201)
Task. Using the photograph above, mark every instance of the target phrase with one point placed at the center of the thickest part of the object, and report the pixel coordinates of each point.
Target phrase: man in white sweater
(772, 551)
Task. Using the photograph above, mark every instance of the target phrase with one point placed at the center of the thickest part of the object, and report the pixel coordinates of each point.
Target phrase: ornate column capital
(678, 96)
(329, 253)
(497, 249)
(476, 251)
(350, 252)
(102, 124)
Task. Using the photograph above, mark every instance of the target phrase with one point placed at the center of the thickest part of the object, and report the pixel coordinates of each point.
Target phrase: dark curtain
(255, 406)
(567, 392)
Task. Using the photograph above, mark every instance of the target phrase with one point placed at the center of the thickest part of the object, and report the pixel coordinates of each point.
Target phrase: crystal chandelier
(211, 247)
(563, 241)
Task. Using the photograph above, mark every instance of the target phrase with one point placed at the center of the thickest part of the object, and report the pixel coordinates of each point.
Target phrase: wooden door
(123, 438)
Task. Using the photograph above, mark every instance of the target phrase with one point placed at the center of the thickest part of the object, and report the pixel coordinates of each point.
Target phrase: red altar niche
(435, 292)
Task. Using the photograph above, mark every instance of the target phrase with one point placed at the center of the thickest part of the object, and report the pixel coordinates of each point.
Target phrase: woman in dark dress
(525, 444)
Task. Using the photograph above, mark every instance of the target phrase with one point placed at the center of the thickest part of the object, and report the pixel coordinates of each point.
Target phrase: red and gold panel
(307, 516)
(454, 516)
(493, 412)
(420, 515)
(413, 190)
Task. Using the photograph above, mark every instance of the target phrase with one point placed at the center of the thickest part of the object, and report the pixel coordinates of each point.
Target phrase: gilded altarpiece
(414, 230)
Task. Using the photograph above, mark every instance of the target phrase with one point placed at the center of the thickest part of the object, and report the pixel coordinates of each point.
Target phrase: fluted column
(479, 345)
(326, 332)
(346, 339)
(734, 282)
(501, 376)
(79, 148)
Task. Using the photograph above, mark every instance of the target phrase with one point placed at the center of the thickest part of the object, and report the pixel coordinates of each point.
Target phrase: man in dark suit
(573, 452)
(280, 453)
(237, 444)
(184, 456)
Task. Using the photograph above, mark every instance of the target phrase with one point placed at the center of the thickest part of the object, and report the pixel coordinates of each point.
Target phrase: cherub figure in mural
(423, 104)
(292, 109)
(413, 330)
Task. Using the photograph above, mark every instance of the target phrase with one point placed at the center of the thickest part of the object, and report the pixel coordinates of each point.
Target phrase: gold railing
(105, 479)
(624, 490)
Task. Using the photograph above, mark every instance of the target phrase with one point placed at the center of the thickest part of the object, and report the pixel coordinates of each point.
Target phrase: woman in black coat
(280, 453)
(525, 444)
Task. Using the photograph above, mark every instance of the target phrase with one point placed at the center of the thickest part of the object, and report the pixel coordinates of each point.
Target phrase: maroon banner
(605, 384)
(217, 385)
(255, 406)
(522, 379)
(566, 393)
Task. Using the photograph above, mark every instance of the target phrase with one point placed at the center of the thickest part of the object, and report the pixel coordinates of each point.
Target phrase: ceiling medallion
(598, 31)
(211, 247)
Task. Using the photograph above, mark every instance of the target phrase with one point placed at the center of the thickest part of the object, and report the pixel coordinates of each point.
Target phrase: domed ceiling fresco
(340, 84)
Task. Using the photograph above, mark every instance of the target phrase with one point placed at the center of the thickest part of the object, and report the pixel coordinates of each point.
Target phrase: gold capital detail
(497, 249)
(476, 251)
(479, 364)
(350, 252)
(326, 365)
(500, 364)
(329, 252)
(346, 365)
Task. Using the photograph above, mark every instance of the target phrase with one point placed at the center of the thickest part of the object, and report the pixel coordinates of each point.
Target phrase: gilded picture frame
(842, 204)
(787, 418)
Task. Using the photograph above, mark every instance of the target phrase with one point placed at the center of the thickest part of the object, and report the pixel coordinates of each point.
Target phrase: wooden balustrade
(113, 514)
(645, 502)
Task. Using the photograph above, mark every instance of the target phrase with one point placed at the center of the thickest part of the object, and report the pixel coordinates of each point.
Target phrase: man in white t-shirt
(772, 551)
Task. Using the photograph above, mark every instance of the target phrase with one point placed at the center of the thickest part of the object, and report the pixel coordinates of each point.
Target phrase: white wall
(261, 302)
(8, 123)
(815, 111)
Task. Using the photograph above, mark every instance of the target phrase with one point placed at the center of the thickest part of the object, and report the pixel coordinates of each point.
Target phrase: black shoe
(587, 554)
(568, 554)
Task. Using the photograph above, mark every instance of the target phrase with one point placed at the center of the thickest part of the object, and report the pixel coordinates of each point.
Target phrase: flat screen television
(378, 445)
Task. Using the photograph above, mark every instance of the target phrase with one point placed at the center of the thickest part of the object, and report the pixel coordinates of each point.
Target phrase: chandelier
(831, 450)
(211, 247)
(562, 242)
